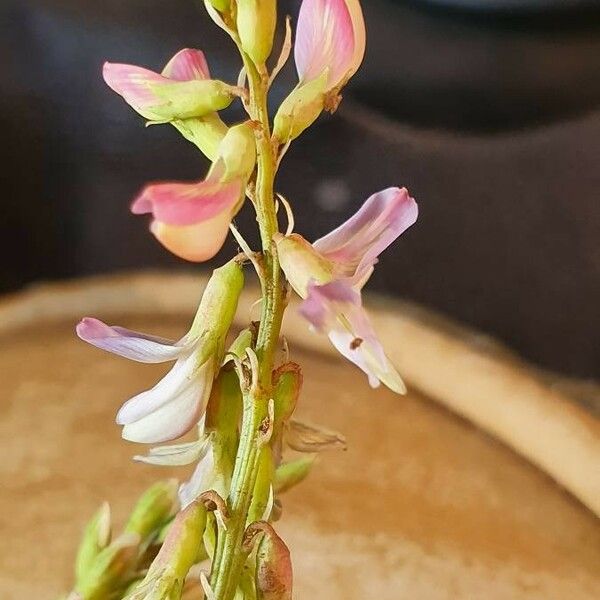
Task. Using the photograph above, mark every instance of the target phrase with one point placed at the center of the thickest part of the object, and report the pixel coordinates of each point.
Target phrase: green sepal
(206, 133)
(300, 109)
(217, 308)
(188, 99)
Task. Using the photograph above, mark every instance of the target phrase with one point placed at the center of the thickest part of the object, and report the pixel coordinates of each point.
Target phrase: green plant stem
(229, 556)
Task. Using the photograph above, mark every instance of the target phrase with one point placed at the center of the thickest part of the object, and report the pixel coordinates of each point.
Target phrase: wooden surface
(423, 505)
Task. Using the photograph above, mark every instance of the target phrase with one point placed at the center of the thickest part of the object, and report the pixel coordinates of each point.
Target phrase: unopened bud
(290, 474)
(300, 109)
(96, 537)
(111, 570)
(153, 509)
(256, 21)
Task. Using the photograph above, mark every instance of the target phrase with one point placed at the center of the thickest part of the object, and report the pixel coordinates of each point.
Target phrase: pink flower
(330, 274)
(183, 90)
(175, 404)
(192, 219)
(330, 37)
(329, 48)
(178, 401)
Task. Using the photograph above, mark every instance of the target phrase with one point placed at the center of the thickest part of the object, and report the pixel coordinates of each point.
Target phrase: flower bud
(256, 21)
(300, 109)
(153, 509)
(290, 474)
(96, 537)
(302, 263)
(274, 567)
(111, 570)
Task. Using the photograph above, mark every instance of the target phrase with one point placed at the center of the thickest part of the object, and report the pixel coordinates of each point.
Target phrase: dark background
(490, 117)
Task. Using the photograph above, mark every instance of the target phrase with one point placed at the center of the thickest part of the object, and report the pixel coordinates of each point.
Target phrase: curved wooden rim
(458, 368)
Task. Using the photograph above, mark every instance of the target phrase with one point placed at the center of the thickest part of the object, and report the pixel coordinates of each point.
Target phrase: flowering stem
(229, 557)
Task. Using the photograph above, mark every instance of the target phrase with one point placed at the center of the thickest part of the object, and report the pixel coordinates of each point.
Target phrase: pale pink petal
(196, 243)
(325, 39)
(336, 310)
(134, 84)
(172, 407)
(176, 455)
(186, 65)
(202, 480)
(187, 203)
(324, 303)
(130, 344)
(355, 245)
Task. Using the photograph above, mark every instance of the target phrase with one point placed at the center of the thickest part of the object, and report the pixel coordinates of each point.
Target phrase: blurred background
(487, 110)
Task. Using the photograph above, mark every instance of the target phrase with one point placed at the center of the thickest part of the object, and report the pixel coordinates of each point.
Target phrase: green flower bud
(153, 509)
(300, 109)
(111, 570)
(96, 537)
(206, 133)
(256, 21)
(290, 474)
(302, 263)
